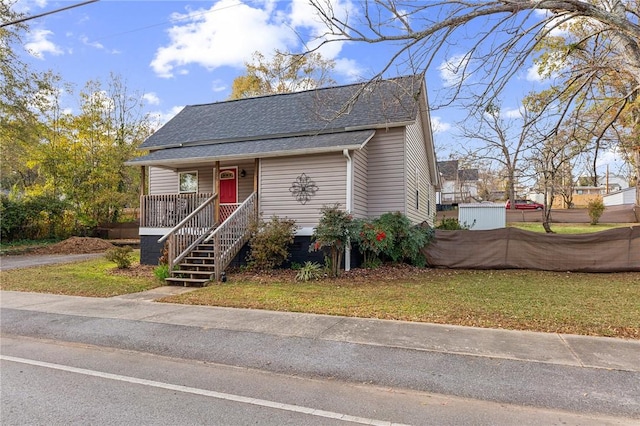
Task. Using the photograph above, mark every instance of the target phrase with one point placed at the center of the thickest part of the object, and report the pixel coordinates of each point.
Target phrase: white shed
(480, 216)
(618, 198)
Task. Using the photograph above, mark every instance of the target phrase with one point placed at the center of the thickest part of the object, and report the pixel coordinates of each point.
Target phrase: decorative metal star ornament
(303, 188)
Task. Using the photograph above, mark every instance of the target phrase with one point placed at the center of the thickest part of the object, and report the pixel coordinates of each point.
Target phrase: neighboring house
(367, 147)
(457, 185)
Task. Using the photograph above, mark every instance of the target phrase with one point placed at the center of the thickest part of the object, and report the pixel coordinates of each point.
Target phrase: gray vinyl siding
(386, 172)
(162, 181)
(360, 183)
(327, 171)
(245, 184)
(418, 177)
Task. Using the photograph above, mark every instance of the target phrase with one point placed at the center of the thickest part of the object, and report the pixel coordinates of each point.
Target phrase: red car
(525, 205)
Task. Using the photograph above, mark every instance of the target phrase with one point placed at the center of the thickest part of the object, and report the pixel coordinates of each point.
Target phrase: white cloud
(226, 34)
(512, 113)
(533, 74)
(230, 31)
(452, 71)
(95, 44)
(439, 126)
(350, 69)
(160, 118)
(38, 44)
(151, 98)
(218, 86)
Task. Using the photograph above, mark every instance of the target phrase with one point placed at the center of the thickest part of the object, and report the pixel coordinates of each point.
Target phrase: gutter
(349, 202)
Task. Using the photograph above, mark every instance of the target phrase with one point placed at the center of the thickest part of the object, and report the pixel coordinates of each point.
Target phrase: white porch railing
(231, 235)
(167, 210)
(190, 232)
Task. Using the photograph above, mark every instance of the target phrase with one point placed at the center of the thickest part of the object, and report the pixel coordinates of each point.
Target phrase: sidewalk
(562, 349)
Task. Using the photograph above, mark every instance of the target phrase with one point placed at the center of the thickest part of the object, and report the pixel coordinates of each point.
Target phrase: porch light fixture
(303, 188)
(243, 173)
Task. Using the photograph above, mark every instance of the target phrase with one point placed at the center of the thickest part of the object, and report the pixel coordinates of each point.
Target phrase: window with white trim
(188, 182)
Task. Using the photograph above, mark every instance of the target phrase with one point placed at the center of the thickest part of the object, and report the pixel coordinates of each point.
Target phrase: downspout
(349, 201)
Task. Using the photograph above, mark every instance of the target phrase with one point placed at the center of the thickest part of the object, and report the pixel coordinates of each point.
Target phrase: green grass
(591, 304)
(560, 302)
(93, 278)
(570, 228)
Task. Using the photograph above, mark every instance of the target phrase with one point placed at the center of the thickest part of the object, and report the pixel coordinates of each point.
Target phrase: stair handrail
(189, 217)
(188, 233)
(225, 249)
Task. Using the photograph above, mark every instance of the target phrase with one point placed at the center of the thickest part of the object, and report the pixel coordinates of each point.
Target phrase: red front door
(228, 186)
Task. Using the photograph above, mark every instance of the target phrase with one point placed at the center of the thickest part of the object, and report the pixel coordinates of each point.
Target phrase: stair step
(186, 272)
(197, 265)
(186, 281)
(203, 253)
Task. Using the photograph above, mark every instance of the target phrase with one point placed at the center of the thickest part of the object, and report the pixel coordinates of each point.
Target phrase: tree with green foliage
(283, 73)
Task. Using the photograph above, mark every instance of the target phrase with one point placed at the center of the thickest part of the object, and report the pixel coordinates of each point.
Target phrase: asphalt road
(506, 385)
(47, 382)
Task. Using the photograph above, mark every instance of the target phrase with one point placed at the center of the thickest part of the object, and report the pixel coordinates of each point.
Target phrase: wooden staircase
(197, 269)
(199, 251)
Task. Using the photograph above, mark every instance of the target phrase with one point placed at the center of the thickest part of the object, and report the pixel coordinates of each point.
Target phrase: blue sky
(188, 52)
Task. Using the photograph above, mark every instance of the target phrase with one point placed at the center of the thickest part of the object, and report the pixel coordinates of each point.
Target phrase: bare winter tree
(503, 140)
(591, 50)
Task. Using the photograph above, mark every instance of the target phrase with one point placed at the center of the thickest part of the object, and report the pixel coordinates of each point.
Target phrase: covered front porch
(196, 217)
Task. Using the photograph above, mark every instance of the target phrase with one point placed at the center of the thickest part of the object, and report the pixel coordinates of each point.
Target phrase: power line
(28, 18)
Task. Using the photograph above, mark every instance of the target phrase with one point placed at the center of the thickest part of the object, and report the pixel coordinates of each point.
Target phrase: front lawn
(591, 304)
(570, 228)
(92, 278)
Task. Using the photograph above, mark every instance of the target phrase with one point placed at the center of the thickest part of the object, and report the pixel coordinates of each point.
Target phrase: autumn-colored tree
(283, 73)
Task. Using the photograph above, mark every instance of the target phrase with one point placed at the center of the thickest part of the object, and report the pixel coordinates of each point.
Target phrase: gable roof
(385, 103)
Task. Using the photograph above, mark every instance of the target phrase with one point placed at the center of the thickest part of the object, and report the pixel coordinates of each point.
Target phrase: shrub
(162, 271)
(269, 242)
(596, 208)
(333, 232)
(121, 256)
(36, 217)
(310, 271)
(407, 240)
(372, 240)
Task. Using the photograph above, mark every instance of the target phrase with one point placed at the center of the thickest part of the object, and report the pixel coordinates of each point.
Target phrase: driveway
(28, 261)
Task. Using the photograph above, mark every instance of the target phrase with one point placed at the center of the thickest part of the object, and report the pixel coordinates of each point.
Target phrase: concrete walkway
(562, 349)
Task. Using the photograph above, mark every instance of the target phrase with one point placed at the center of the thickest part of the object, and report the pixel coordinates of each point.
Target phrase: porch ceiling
(277, 147)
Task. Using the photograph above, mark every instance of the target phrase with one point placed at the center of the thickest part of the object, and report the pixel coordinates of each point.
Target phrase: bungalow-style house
(215, 167)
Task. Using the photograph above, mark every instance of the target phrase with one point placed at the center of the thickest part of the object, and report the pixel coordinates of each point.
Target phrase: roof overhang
(242, 150)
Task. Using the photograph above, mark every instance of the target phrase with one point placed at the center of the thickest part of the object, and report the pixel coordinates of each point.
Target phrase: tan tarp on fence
(615, 250)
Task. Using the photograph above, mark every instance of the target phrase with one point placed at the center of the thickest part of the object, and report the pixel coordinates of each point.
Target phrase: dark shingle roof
(293, 114)
(468, 174)
(448, 169)
(264, 147)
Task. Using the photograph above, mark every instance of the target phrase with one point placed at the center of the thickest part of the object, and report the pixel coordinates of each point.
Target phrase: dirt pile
(76, 245)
